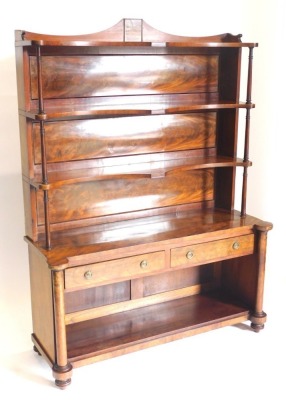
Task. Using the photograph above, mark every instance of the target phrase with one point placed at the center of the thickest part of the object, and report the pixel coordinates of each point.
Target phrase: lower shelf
(163, 322)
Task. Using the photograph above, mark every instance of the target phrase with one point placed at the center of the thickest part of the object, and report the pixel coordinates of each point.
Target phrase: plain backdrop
(230, 363)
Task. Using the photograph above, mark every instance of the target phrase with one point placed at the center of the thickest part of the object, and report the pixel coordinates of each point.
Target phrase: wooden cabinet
(129, 158)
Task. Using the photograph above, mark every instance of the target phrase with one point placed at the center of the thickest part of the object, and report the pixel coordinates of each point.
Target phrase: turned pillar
(62, 369)
(258, 316)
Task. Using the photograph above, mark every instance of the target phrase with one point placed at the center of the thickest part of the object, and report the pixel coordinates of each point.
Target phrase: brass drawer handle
(190, 255)
(144, 264)
(88, 275)
(235, 246)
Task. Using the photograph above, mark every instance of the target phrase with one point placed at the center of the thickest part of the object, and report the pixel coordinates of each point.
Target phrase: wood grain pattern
(78, 76)
(97, 296)
(115, 270)
(96, 242)
(92, 313)
(137, 167)
(93, 199)
(176, 280)
(42, 303)
(143, 324)
(129, 32)
(212, 251)
(87, 139)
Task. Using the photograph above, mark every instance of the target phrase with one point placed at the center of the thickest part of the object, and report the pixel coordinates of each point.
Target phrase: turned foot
(257, 321)
(36, 350)
(62, 384)
(62, 375)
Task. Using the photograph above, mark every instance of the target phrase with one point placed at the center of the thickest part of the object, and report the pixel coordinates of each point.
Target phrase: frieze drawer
(114, 270)
(203, 253)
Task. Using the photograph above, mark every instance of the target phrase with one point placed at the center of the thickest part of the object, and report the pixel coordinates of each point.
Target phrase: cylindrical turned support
(245, 169)
(62, 370)
(247, 133)
(45, 182)
(40, 86)
(43, 149)
(258, 316)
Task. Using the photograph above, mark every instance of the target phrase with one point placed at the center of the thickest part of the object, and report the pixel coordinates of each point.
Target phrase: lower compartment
(119, 333)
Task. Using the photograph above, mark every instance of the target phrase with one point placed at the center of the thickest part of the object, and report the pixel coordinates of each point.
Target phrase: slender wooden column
(258, 316)
(247, 133)
(43, 149)
(62, 370)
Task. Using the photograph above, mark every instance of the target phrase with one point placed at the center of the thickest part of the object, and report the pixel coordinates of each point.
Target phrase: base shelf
(161, 322)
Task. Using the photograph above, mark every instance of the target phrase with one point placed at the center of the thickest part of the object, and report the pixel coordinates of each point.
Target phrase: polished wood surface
(136, 326)
(42, 304)
(124, 75)
(112, 196)
(129, 147)
(211, 251)
(116, 270)
(129, 32)
(97, 138)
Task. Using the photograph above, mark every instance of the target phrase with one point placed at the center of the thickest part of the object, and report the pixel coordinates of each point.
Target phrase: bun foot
(36, 350)
(62, 375)
(62, 384)
(257, 321)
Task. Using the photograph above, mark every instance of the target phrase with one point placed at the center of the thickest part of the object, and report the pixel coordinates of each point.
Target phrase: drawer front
(115, 270)
(212, 251)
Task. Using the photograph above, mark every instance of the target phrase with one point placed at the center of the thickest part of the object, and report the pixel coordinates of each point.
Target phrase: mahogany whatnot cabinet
(129, 158)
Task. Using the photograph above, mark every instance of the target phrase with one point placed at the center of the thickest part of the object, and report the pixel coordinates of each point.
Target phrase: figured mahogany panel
(97, 296)
(94, 138)
(177, 279)
(88, 76)
(105, 197)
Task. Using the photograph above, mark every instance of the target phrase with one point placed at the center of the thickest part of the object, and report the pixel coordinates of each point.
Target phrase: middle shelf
(59, 178)
(84, 109)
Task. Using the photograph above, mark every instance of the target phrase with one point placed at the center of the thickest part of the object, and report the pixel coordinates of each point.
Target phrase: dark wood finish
(42, 304)
(133, 327)
(99, 138)
(129, 159)
(167, 74)
(97, 296)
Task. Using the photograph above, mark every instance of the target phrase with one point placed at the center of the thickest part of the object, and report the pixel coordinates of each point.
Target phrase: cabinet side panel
(227, 127)
(239, 278)
(42, 302)
(229, 74)
(29, 196)
(26, 147)
(22, 69)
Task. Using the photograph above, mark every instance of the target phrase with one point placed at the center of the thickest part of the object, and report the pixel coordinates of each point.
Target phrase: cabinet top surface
(128, 33)
(145, 233)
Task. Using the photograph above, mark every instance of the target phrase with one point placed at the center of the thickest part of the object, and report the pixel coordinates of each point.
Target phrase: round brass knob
(189, 255)
(235, 246)
(144, 264)
(88, 274)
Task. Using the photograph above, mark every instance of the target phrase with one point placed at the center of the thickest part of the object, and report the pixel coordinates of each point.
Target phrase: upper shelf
(81, 111)
(130, 32)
